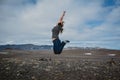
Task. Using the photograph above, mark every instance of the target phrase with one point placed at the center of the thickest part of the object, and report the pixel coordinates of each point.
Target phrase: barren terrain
(72, 64)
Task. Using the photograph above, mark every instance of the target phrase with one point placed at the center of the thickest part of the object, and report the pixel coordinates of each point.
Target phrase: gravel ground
(70, 65)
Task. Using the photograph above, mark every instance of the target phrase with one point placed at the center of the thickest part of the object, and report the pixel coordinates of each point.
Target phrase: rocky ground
(70, 65)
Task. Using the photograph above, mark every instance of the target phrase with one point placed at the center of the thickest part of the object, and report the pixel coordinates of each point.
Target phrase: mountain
(25, 47)
(42, 47)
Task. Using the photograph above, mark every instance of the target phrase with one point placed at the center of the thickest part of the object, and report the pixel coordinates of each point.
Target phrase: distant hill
(43, 47)
(25, 47)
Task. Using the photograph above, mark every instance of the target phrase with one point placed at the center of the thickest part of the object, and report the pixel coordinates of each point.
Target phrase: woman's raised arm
(61, 18)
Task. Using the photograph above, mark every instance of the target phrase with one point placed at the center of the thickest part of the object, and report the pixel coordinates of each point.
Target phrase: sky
(93, 23)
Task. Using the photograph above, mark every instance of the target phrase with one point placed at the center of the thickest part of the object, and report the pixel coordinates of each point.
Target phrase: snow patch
(88, 53)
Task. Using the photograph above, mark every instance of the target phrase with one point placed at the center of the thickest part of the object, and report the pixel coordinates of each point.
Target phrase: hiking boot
(66, 41)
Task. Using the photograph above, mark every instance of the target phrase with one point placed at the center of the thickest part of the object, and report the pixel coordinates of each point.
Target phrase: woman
(57, 44)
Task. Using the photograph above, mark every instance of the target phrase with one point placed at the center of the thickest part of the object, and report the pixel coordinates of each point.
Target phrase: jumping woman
(57, 44)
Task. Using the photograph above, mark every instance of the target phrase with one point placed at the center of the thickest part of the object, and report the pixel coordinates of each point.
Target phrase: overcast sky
(31, 21)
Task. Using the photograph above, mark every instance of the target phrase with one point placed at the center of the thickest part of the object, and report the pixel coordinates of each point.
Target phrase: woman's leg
(61, 47)
(58, 46)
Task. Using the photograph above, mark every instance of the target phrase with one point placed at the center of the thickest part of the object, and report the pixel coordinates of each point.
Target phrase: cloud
(108, 20)
(24, 21)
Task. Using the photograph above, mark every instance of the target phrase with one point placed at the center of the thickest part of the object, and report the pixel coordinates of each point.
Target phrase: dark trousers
(58, 46)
